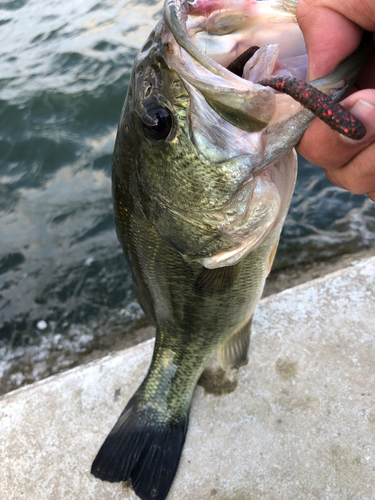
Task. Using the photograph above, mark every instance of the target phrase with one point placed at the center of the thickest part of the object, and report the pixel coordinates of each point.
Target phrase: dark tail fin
(143, 449)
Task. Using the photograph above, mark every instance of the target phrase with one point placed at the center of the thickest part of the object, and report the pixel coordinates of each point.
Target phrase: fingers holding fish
(349, 164)
(358, 175)
(353, 168)
(332, 30)
(328, 149)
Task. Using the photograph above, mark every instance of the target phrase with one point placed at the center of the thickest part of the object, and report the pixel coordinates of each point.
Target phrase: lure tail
(144, 448)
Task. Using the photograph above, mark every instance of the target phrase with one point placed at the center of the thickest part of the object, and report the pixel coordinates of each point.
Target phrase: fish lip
(244, 103)
(175, 15)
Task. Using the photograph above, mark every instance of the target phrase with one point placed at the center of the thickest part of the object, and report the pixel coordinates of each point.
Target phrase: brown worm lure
(329, 111)
(238, 64)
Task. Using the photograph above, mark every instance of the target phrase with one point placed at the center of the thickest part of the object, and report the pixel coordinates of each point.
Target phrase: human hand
(332, 31)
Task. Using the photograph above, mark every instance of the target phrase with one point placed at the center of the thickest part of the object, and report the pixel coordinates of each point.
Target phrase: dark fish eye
(156, 123)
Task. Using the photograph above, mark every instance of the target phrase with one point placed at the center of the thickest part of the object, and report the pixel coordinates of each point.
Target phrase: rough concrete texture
(300, 425)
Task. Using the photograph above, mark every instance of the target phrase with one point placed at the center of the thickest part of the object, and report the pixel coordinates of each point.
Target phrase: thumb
(330, 37)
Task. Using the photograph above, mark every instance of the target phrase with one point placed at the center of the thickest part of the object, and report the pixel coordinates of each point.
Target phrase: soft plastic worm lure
(329, 111)
(238, 64)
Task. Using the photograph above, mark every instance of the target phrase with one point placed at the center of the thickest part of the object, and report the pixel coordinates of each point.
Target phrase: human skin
(332, 31)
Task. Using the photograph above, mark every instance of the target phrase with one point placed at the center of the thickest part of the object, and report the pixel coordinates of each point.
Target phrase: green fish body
(200, 197)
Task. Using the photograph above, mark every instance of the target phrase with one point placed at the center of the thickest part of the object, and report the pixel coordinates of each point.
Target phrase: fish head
(155, 158)
(209, 153)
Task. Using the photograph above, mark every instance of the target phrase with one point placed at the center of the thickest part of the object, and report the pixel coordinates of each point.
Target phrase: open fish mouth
(261, 43)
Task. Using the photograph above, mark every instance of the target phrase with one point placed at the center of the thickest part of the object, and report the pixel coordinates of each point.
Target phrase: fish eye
(157, 122)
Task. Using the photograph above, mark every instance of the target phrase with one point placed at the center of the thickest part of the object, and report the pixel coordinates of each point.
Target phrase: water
(65, 288)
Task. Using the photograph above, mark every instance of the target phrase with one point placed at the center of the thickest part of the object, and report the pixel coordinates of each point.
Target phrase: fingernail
(365, 112)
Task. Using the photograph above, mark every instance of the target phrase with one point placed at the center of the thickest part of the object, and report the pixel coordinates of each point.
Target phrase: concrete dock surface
(299, 425)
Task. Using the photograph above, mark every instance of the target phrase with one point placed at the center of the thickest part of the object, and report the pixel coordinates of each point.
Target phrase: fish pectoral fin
(216, 281)
(233, 353)
(140, 449)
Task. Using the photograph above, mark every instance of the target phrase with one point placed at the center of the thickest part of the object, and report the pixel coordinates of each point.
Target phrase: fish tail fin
(142, 448)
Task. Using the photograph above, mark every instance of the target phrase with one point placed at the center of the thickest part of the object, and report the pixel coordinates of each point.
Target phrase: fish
(203, 173)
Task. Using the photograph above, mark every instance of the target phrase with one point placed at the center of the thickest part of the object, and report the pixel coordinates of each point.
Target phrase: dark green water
(65, 68)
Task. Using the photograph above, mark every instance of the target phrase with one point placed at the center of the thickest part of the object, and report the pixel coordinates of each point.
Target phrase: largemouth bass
(203, 174)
